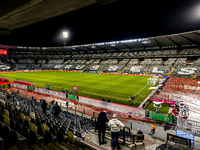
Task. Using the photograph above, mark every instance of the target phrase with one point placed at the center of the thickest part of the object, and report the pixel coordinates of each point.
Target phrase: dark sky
(121, 20)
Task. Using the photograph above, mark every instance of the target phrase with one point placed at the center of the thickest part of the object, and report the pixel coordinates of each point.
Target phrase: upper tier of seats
(130, 54)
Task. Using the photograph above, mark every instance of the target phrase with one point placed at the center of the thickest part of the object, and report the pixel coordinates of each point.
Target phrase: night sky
(121, 20)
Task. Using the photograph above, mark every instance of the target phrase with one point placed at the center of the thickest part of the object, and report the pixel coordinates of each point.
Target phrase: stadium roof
(16, 14)
(180, 40)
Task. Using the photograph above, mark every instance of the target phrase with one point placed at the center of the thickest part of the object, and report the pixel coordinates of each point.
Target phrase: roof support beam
(72, 50)
(172, 41)
(157, 43)
(188, 39)
(52, 50)
(90, 49)
(65, 49)
(101, 48)
(113, 47)
(144, 47)
(195, 34)
(81, 50)
(48, 49)
(126, 46)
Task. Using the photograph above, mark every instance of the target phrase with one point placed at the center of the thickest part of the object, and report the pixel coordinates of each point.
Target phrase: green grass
(116, 88)
(164, 109)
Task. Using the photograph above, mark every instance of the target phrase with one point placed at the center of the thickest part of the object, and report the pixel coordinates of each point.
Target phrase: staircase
(172, 69)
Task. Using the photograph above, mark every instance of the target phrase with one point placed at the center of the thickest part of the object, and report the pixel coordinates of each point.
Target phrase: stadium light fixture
(65, 36)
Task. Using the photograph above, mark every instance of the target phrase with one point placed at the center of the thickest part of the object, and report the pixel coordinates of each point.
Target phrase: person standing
(44, 106)
(101, 126)
(115, 126)
(153, 128)
(139, 131)
(56, 110)
(67, 104)
(52, 102)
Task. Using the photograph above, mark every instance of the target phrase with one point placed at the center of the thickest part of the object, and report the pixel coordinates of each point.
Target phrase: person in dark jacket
(139, 131)
(101, 126)
(44, 106)
(56, 110)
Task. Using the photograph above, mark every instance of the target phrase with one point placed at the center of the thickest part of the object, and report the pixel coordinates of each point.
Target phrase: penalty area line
(140, 90)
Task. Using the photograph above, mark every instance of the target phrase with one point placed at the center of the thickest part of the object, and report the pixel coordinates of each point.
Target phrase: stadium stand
(123, 62)
(77, 56)
(24, 122)
(190, 52)
(112, 61)
(104, 62)
(170, 61)
(135, 69)
(157, 61)
(94, 67)
(128, 54)
(196, 63)
(89, 62)
(56, 67)
(21, 66)
(146, 62)
(113, 68)
(40, 61)
(10, 61)
(97, 61)
(186, 71)
(46, 66)
(81, 61)
(180, 61)
(67, 67)
(26, 61)
(145, 53)
(54, 61)
(33, 66)
(165, 53)
(78, 67)
(159, 70)
(72, 62)
(133, 62)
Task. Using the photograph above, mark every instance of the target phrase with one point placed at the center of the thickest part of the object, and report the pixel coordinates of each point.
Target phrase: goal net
(152, 81)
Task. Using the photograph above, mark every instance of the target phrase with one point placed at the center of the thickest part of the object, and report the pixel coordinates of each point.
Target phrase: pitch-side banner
(164, 101)
(75, 88)
(187, 87)
(186, 135)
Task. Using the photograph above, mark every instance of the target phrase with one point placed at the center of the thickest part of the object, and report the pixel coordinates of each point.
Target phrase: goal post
(152, 81)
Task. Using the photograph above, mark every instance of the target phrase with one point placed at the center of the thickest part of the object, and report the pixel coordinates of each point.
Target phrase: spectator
(139, 131)
(67, 104)
(153, 128)
(171, 114)
(56, 110)
(176, 103)
(115, 126)
(158, 108)
(44, 106)
(101, 126)
(52, 102)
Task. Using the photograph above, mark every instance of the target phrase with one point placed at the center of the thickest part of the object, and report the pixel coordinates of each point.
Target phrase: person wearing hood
(115, 126)
(101, 126)
(44, 106)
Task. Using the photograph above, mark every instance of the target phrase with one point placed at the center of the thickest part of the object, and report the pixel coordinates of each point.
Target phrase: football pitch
(117, 88)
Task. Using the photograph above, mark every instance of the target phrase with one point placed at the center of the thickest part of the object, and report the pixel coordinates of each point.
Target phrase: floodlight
(65, 34)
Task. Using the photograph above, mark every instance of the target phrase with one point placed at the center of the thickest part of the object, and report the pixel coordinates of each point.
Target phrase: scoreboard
(3, 52)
